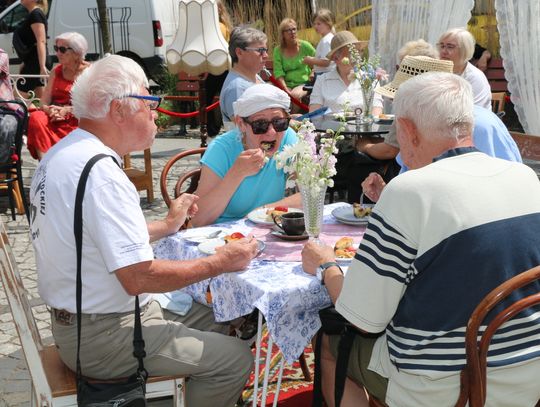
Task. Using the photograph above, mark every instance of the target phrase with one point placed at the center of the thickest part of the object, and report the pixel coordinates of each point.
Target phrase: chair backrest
(188, 178)
(498, 100)
(528, 144)
(473, 380)
(22, 317)
(142, 179)
(13, 126)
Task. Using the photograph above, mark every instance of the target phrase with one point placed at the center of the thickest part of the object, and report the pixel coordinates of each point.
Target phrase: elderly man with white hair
(440, 238)
(238, 171)
(116, 116)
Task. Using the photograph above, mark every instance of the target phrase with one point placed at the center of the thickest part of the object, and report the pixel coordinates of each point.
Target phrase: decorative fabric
(259, 97)
(518, 24)
(396, 22)
(288, 298)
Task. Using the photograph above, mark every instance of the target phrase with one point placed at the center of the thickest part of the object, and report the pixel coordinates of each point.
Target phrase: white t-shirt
(322, 50)
(480, 85)
(330, 91)
(115, 233)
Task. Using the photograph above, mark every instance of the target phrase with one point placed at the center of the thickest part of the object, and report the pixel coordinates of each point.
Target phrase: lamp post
(199, 48)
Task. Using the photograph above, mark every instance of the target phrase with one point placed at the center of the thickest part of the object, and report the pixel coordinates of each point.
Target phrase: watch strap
(327, 265)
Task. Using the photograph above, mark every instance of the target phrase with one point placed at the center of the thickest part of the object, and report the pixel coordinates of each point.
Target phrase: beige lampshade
(198, 46)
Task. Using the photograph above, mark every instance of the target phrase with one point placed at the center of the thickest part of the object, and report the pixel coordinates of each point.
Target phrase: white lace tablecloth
(288, 298)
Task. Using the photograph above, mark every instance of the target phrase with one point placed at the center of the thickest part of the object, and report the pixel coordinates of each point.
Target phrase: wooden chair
(498, 100)
(473, 380)
(187, 181)
(52, 382)
(528, 144)
(141, 179)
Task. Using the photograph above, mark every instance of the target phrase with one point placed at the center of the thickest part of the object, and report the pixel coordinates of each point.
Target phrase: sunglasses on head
(261, 126)
(62, 49)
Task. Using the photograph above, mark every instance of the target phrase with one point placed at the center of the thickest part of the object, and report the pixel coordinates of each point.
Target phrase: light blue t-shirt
(268, 185)
(233, 87)
(490, 136)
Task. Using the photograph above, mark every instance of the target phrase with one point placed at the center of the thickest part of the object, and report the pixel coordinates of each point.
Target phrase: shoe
(248, 329)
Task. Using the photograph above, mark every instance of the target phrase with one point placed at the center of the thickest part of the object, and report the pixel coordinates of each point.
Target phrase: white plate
(344, 214)
(209, 246)
(388, 119)
(259, 215)
(199, 235)
(344, 259)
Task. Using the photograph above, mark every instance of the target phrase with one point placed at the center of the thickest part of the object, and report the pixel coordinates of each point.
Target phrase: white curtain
(397, 21)
(518, 22)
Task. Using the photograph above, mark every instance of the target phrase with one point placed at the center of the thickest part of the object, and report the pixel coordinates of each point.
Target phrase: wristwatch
(322, 268)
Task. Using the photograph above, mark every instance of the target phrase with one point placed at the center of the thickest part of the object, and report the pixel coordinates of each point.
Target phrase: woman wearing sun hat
(332, 89)
(238, 171)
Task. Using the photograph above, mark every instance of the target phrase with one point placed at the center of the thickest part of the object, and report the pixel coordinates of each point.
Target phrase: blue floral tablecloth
(288, 298)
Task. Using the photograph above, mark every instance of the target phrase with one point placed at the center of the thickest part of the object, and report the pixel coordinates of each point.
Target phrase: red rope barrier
(187, 115)
(293, 99)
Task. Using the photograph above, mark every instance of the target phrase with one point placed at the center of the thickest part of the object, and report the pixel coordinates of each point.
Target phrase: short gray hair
(439, 103)
(465, 40)
(113, 77)
(242, 37)
(417, 48)
(75, 41)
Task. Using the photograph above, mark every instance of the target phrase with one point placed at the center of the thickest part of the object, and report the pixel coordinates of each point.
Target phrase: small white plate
(209, 246)
(344, 214)
(386, 119)
(259, 215)
(199, 235)
(344, 259)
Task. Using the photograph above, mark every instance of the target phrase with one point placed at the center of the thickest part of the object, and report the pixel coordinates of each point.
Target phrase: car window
(12, 19)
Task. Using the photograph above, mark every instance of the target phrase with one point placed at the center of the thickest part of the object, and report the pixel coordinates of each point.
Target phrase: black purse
(126, 393)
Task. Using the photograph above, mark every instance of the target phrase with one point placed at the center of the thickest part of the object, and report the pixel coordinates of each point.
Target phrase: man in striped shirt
(439, 239)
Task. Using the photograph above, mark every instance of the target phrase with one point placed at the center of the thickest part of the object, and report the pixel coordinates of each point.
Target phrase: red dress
(42, 133)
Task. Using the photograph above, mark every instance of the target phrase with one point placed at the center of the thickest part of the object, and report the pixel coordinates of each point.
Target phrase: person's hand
(180, 208)
(373, 186)
(309, 61)
(314, 254)
(237, 255)
(43, 70)
(249, 162)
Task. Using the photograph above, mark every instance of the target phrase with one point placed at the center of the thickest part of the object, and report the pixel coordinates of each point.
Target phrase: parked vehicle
(139, 29)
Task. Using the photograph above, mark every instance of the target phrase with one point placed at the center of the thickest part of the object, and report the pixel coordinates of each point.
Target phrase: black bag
(22, 50)
(122, 394)
(130, 393)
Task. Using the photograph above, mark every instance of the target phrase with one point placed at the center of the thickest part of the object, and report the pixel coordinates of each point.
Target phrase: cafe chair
(498, 100)
(52, 383)
(11, 178)
(142, 179)
(473, 376)
(185, 180)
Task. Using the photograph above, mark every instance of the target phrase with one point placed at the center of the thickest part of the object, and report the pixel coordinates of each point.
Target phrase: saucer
(291, 238)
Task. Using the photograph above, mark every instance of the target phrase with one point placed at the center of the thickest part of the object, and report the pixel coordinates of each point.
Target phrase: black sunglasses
(261, 126)
(62, 49)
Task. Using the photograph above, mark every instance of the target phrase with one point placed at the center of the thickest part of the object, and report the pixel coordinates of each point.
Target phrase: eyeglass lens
(449, 47)
(290, 30)
(62, 49)
(260, 50)
(261, 126)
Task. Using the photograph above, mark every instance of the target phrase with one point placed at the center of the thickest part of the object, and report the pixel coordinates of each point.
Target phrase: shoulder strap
(138, 343)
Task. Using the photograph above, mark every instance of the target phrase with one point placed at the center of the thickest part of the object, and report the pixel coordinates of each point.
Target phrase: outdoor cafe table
(274, 283)
(324, 123)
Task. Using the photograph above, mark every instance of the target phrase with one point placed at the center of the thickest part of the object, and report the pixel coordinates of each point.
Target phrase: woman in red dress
(53, 120)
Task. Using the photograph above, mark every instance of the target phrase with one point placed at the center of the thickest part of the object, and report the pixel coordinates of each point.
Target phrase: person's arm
(46, 97)
(41, 45)
(180, 209)
(168, 275)
(312, 61)
(292, 201)
(482, 62)
(278, 71)
(215, 192)
(373, 186)
(380, 151)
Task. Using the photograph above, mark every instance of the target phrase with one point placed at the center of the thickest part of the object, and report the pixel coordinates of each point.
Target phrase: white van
(139, 29)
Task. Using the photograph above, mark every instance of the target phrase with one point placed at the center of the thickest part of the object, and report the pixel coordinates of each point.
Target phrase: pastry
(233, 236)
(344, 248)
(360, 211)
(277, 211)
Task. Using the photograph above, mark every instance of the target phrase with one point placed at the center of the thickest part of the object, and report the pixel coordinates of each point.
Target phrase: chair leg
(11, 199)
(18, 199)
(23, 195)
(304, 367)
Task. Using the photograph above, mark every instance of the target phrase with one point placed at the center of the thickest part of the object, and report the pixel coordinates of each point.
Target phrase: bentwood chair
(187, 179)
(13, 126)
(473, 376)
(498, 100)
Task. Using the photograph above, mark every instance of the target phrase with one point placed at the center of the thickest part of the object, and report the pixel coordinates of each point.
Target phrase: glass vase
(368, 95)
(313, 204)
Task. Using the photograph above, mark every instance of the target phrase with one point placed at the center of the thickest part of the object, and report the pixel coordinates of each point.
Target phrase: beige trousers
(218, 365)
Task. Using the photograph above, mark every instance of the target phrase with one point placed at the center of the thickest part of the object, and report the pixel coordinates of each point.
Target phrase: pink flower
(381, 74)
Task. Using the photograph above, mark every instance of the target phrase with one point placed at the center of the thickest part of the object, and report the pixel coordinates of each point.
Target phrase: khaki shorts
(357, 369)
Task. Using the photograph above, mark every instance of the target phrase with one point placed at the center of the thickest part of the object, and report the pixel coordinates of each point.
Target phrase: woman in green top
(289, 67)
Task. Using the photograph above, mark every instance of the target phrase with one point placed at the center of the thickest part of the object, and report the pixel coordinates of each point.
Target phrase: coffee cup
(292, 223)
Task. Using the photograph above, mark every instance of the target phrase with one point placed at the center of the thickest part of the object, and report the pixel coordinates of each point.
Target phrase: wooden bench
(529, 145)
(495, 75)
(52, 382)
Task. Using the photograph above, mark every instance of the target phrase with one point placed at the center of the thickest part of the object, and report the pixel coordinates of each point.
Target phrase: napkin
(177, 301)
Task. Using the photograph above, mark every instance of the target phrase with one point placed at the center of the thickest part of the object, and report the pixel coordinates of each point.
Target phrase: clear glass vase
(313, 204)
(367, 117)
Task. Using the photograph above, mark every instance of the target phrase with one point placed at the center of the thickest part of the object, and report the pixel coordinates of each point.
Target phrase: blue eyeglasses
(154, 101)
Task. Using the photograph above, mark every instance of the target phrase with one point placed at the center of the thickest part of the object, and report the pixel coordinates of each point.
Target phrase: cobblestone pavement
(14, 376)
